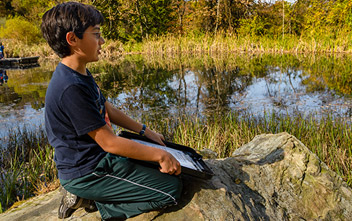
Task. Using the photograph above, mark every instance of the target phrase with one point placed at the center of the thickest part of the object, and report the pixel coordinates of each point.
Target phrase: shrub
(22, 30)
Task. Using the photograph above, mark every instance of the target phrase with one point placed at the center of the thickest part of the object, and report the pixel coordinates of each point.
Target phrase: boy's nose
(101, 40)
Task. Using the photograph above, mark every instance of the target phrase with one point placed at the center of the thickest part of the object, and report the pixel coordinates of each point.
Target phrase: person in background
(1, 77)
(5, 77)
(2, 53)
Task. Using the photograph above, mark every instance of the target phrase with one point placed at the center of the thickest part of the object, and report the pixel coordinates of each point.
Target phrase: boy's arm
(121, 119)
(111, 143)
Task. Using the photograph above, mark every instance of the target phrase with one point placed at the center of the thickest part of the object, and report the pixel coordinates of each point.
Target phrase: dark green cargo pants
(123, 188)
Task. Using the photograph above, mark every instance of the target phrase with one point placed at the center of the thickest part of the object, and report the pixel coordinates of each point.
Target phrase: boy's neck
(75, 64)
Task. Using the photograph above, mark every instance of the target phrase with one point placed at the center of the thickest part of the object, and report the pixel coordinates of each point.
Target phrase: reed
(16, 48)
(27, 166)
(223, 42)
(170, 45)
(329, 138)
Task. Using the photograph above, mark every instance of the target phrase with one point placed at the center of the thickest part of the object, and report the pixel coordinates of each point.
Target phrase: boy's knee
(175, 191)
(179, 188)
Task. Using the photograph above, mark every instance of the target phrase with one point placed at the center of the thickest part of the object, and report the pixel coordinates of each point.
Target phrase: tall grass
(27, 166)
(222, 42)
(195, 44)
(329, 138)
(15, 48)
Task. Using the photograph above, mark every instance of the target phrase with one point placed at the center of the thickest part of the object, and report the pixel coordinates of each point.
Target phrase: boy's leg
(124, 188)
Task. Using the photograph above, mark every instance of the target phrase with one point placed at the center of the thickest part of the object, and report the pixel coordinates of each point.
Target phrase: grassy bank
(328, 138)
(205, 44)
(28, 167)
(231, 43)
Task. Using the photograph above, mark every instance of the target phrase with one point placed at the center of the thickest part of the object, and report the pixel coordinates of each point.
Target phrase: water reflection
(22, 97)
(164, 86)
(283, 83)
(3, 77)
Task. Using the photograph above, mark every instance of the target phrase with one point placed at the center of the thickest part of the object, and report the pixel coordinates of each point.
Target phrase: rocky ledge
(274, 177)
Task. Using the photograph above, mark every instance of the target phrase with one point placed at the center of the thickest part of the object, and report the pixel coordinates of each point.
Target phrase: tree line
(135, 20)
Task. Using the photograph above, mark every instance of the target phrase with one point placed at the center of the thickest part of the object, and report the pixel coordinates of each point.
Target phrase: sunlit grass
(169, 45)
(329, 138)
(27, 165)
(210, 44)
(15, 48)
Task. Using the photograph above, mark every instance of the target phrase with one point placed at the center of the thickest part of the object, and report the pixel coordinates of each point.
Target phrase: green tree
(22, 30)
(137, 19)
(6, 8)
(31, 10)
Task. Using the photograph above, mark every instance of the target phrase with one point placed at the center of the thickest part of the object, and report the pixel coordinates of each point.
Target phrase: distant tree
(321, 18)
(6, 8)
(32, 10)
(180, 9)
(20, 29)
(136, 19)
(211, 16)
(114, 14)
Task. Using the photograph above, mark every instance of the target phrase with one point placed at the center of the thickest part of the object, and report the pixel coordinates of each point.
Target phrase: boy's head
(68, 17)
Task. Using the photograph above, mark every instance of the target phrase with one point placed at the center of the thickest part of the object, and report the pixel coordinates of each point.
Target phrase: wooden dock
(23, 62)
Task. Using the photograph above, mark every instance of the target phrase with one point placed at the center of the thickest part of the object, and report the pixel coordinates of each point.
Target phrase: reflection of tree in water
(329, 72)
(26, 86)
(281, 81)
(144, 87)
(330, 75)
(275, 94)
(8, 95)
(187, 84)
(150, 88)
(178, 85)
(181, 93)
(220, 86)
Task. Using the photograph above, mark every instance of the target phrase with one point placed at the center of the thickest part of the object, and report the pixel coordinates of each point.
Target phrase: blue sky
(279, 0)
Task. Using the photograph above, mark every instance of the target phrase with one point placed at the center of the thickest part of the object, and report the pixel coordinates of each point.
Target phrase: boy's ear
(71, 38)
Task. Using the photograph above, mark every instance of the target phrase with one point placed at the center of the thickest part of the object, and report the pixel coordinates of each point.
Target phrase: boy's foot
(70, 203)
(90, 207)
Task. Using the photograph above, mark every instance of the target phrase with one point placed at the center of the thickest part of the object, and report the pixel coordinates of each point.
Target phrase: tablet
(191, 162)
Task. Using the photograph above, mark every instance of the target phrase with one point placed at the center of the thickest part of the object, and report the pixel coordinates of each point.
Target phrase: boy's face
(90, 45)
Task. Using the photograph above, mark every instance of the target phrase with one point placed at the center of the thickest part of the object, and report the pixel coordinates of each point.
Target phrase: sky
(279, 1)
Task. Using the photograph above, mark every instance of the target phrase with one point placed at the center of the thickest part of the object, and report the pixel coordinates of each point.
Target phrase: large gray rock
(274, 177)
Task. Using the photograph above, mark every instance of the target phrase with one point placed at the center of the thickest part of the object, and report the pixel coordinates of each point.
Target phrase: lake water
(160, 86)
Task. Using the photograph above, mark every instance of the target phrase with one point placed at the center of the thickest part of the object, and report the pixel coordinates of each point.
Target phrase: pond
(161, 86)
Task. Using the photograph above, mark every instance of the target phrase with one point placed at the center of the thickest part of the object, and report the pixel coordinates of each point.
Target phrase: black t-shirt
(74, 106)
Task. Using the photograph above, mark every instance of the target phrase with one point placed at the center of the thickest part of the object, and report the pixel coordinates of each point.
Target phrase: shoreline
(175, 45)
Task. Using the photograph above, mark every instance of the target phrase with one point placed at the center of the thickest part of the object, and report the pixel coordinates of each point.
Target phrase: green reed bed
(27, 166)
(329, 138)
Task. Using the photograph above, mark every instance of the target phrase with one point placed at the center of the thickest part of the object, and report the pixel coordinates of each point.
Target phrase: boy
(93, 163)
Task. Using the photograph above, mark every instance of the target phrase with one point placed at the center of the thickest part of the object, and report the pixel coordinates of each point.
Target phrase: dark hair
(66, 17)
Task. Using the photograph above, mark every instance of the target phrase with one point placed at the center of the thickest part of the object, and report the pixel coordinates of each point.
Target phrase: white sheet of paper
(184, 159)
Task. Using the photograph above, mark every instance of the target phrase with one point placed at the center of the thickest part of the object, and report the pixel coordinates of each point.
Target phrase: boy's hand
(168, 164)
(154, 136)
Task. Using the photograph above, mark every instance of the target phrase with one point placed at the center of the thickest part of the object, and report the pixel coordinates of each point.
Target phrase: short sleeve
(82, 109)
